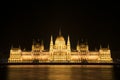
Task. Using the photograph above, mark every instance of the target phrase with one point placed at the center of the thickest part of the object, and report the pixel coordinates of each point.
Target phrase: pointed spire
(33, 41)
(100, 46)
(38, 39)
(78, 43)
(68, 41)
(68, 44)
(19, 47)
(59, 31)
(24, 49)
(86, 42)
(51, 44)
(82, 40)
(78, 46)
(51, 41)
(42, 43)
(11, 46)
(96, 49)
(108, 46)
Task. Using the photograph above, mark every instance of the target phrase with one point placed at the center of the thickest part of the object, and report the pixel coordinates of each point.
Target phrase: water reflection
(93, 73)
(62, 72)
(59, 72)
(30, 72)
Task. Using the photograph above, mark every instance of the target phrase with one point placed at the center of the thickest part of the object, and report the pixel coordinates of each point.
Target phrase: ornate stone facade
(60, 52)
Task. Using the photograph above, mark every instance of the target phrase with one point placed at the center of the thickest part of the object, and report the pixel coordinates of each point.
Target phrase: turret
(42, 45)
(15, 55)
(78, 46)
(100, 46)
(51, 43)
(33, 44)
(19, 47)
(68, 44)
(60, 32)
(108, 46)
(105, 55)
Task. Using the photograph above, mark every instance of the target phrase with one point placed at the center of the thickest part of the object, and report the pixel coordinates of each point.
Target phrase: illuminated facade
(60, 51)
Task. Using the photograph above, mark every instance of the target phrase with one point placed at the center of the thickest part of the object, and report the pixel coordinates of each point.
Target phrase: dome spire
(33, 41)
(11, 46)
(51, 41)
(68, 41)
(42, 45)
(100, 46)
(60, 31)
(78, 46)
(108, 46)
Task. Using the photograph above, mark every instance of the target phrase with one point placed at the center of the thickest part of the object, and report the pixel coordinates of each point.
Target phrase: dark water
(59, 72)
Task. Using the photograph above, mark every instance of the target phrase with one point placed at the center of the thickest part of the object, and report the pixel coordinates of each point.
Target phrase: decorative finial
(42, 42)
(11, 46)
(33, 41)
(100, 46)
(108, 46)
(96, 49)
(68, 41)
(59, 31)
(19, 47)
(86, 42)
(51, 38)
(51, 41)
(82, 40)
(38, 39)
(78, 43)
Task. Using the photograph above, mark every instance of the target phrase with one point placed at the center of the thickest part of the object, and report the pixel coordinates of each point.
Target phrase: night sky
(94, 22)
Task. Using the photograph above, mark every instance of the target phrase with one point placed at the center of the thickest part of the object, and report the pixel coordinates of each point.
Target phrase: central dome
(60, 40)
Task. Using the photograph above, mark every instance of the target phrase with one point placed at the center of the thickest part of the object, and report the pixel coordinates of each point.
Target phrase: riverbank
(59, 63)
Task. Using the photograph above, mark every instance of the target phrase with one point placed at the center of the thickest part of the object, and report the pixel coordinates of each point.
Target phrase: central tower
(60, 51)
(60, 42)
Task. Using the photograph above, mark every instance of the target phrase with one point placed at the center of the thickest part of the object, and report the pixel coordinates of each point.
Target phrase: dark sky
(93, 21)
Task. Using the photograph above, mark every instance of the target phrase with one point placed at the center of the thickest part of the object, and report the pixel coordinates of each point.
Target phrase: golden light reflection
(59, 72)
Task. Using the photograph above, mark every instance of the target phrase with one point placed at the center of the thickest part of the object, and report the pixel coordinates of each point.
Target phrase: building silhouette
(60, 51)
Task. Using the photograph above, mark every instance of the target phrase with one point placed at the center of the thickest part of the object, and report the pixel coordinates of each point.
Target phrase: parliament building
(60, 52)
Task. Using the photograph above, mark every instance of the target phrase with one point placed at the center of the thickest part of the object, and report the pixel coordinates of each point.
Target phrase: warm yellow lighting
(60, 52)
